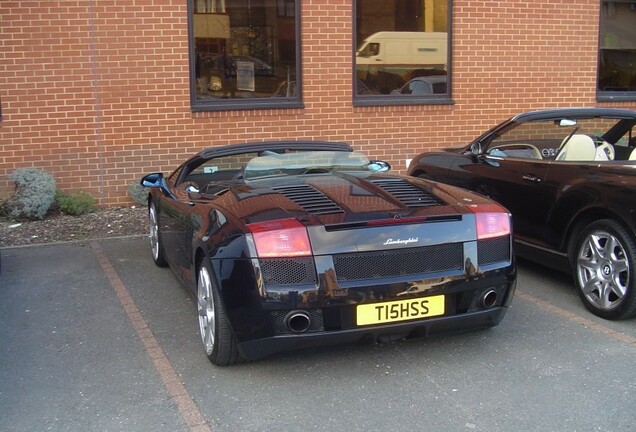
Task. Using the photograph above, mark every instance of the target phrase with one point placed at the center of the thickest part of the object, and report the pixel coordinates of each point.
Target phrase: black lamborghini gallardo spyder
(294, 244)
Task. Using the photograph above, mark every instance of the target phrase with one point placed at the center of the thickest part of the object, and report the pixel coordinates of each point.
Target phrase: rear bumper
(259, 348)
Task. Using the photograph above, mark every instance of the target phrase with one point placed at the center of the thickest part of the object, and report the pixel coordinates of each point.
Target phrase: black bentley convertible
(294, 244)
(569, 178)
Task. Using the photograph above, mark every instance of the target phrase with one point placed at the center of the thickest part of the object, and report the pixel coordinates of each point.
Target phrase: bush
(77, 203)
(138, 193)
(34, 194)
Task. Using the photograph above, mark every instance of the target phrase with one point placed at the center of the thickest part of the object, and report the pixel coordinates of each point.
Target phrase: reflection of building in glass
(401, 40)
(617, 47)
(258, 36)
(209, 6)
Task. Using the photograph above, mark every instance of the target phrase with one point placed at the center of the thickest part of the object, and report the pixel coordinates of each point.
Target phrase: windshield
(369, 50)
(312, 162)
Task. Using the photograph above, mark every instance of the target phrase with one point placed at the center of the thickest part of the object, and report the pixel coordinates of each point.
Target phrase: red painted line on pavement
(187, 408)
(577, 318)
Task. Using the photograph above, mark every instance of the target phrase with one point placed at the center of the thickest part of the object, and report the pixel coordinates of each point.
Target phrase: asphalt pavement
(94, 337)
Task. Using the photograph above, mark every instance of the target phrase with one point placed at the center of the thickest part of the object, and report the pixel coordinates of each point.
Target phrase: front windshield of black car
(306, 162)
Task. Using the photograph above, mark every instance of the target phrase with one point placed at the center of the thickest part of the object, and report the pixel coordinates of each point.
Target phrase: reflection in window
(617, 48)
(244, 50)
(399, 41)
(209, 6)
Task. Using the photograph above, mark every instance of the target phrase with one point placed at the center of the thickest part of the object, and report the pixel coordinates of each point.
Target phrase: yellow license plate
(401, 310)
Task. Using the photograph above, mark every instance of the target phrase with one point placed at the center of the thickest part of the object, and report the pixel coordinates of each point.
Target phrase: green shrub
(77, 203)
(138, 193)
(34, 194)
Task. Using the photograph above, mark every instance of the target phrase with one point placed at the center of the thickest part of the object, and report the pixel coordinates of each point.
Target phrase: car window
(417, 88)
(253, 165)
(315, 162)
(440, 87)
(580, 140)
(533, 140)
(219, 169)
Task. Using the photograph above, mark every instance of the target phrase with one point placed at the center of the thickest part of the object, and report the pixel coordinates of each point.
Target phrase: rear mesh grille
(384, 264)
(494, 250)
(288, 271)
(399, 262)
(309, 198)
(407, 194)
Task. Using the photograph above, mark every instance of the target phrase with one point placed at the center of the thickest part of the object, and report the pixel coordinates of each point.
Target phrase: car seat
(578, 148)
(604, 152)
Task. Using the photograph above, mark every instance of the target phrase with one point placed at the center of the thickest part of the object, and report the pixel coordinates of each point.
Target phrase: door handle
(532, 178)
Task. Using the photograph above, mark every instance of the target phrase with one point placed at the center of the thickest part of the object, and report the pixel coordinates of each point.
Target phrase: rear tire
(218, 340)
(156, 244)
(604, 269)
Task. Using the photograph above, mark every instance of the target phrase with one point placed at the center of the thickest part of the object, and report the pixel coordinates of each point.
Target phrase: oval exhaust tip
(298, 321)
(489, 298)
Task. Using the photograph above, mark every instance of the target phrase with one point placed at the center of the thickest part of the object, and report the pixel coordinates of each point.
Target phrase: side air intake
(407, 194)
(310, 199)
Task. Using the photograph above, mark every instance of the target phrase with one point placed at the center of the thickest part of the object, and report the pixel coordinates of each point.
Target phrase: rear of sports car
(374, 259)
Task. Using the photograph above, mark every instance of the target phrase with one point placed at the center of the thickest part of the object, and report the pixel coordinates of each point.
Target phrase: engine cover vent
(309, 198)
(407, 194)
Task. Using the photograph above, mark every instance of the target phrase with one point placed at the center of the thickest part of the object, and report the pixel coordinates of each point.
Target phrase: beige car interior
(581, 147)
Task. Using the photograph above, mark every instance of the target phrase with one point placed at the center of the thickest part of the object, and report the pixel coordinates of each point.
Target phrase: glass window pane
(399, 41)
(617, 50)
(244, 50)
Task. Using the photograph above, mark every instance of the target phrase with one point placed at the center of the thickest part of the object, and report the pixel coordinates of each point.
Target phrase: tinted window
(243, 52)
(617, 50)
(398, 40)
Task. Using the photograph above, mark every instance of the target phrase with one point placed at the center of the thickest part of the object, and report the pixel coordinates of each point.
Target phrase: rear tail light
(280, 238)
(492, 220)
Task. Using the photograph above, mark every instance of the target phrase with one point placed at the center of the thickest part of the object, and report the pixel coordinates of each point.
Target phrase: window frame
(198, 105)
(403, 100)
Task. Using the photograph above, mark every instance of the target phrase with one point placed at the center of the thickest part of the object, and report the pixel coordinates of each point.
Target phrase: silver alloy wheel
(602, 269)
(154, 232)
(207, 312)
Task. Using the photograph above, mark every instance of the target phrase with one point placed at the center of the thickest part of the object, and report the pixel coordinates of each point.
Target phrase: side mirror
(475, 149)
(378, 166)
(153, 180)
(156, 180)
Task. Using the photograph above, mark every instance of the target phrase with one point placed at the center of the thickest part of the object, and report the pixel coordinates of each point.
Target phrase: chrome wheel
(216, 334)
(602, 269)
(154, 232)
(207, 311)
(155, 237)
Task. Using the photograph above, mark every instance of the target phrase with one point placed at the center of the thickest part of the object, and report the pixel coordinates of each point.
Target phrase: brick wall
(97, 92)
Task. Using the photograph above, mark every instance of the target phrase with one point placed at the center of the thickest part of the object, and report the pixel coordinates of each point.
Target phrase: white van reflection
(403, 50)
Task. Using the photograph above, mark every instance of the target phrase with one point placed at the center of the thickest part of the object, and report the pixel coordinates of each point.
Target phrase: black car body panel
(530, 165)
(374, 237)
